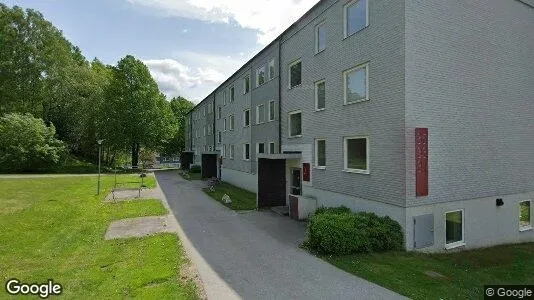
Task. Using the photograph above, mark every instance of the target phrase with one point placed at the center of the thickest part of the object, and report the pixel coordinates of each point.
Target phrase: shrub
(28, 144)
(194, 169)
(333, 210)
(339, 232)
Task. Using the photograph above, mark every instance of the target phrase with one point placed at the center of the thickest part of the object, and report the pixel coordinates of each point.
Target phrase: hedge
(339, 231)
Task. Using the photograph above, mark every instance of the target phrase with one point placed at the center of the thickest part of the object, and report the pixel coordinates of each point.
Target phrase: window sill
(525, 228)
(353, 33)
(357, 101)
(295, 137)
(454, 245)
(319, 52)
(270, 121)
(293, 87)
(320, 109)
(356, 171)
(246, 126)
(319, 167)
(246, 159)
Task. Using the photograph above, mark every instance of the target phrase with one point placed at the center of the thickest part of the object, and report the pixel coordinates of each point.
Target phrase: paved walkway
(255, 253)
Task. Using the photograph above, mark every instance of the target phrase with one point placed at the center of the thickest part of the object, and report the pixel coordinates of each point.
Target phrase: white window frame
(274, 149)
(232, 149)
(264, 67)
(204, 130)
(269, 111)
(219, 112)
(224, 97)
(289, 73)
(224, 151)
(258, 148)
(316, 153)
(316, 88)
(225, 125)
(271, 62)
(245, 84)
(258, 114)
(245, 152)
(345, 19)
(346, 72)
(459, 243)
(317, 50)
(230, 89)
(244, 117)
(345, 155)
(289, 123)
(232, 122)
(219, 137)
(527, 227)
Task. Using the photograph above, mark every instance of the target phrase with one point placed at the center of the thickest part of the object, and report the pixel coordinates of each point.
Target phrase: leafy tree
(137, 113)
(28, 144)
(180, 107)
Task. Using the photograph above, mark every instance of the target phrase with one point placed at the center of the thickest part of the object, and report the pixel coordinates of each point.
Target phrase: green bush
(339, 232)
(27, 144)
(194, 169)
(333, 210)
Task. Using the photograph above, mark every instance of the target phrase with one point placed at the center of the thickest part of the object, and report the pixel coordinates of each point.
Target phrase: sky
(189, 46)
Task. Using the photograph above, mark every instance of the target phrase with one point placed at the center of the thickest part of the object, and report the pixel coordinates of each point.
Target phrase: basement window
(454, 229)
(524, 216)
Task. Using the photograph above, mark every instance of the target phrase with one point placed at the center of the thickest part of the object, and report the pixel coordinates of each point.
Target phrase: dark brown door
(271, 182)
(209, 165)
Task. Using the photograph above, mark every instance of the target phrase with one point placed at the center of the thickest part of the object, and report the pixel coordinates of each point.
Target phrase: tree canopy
(43, 74)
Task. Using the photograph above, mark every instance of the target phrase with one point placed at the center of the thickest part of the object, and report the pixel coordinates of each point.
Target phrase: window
(232, 151)
(260, 114)
(204, 148)
(209, 108)
(320, 37)
(271, 148)
(246, 151)
(204, 130)
(224, 124)
(246, 118)
(209, 129)
(232, 122)
(524, 216)
(271, 69)
(260, 148)
(320, 153)
(260, 75)
(224, 97)
(204, 111)
(219, 137)
(356, 84)
(246, 84)
(355, 16)
(295, 76)
(219, 110)
(224, 151)
(295, 124)
(356, 155)
(272, 110)
(454, 229)
(232, 94)
(320, 95)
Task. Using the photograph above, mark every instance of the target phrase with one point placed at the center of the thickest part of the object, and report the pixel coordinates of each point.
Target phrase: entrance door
(271, 182)
(209, 165)
(295, 183)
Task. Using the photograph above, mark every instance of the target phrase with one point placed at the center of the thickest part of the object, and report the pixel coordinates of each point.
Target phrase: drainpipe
(279, 96)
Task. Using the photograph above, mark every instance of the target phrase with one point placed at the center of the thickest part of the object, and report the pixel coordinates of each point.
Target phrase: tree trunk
(135, 154)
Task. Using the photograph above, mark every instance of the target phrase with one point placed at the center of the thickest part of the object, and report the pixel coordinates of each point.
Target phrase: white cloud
(268, 17)
(192, 75)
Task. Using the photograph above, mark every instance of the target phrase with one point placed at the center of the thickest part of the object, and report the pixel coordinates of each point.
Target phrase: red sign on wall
(306, 172)
(421, 162)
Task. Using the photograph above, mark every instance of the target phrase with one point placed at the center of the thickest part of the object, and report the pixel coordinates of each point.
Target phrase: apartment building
(419, 110)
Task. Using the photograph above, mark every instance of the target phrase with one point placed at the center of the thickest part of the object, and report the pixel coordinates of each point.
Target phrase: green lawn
(241, 199)
(191, 176)
(54, 228)
(465, 272)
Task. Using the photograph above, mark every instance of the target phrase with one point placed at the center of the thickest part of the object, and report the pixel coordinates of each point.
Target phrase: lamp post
(99, 142)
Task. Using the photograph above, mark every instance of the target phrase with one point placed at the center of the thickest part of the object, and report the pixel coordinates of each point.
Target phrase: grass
(191, 176)
(54, 228)
(465, 272)
(241, 199)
